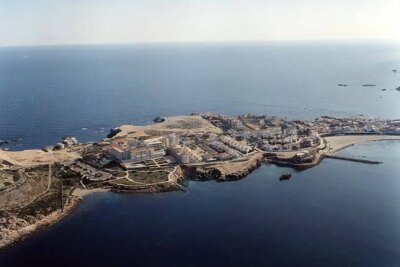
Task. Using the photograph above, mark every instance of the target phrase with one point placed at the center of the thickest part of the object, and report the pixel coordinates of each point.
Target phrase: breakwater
(354, 159)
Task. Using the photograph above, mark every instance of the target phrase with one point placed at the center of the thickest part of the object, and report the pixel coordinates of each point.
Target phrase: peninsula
(38, 187)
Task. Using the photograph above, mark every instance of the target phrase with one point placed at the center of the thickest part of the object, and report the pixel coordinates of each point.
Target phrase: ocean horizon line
(228, 42)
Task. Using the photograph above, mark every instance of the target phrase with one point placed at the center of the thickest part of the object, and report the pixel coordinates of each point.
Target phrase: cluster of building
(355, 124)
(224, 152)
(134, 151)
(181, 148)
(185, 148)
(268, 133)
(184, 154)
(241, 146)
(88, 172)
(242, 135)
(224, 122)
(272, 133)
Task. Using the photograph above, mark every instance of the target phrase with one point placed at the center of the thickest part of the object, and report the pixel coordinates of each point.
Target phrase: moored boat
(285, 176)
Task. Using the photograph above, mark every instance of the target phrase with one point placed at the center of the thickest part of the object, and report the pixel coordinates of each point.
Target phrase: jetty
(353, 159)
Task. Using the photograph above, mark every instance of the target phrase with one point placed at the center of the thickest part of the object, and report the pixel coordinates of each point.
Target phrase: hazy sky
(27, 22)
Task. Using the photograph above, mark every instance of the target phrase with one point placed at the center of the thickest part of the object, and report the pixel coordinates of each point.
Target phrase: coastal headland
(39, 187)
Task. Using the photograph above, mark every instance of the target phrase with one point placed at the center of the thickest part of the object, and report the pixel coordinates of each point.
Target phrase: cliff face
(230, 171)
(240, 174)
(201, 174)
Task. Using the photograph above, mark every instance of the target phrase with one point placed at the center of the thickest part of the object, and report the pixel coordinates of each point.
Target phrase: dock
(353, 159)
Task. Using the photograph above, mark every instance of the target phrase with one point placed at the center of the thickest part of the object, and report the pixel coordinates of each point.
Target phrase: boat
(285, 176)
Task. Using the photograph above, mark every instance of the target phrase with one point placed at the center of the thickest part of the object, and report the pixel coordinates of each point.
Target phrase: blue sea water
(52, 91)
(337, 214)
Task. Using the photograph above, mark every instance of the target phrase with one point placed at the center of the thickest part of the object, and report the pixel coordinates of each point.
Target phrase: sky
(48, 22)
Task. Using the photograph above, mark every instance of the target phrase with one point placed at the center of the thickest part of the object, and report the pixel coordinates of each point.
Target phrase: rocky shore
(14, 229)
(230, 171)
(151, 189)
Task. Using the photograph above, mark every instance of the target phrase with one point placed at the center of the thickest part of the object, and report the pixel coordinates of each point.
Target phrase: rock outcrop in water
(113, 132)
(159, 119)
(10, 141)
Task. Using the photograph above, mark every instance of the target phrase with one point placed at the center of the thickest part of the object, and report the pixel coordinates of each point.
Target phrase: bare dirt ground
(34, 157)
(35, 202)
(16, 226)
(37, 182)
(7, 178)
(193, 124)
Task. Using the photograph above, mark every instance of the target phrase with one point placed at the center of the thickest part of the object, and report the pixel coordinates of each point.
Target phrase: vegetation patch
(42, 206)
(7, 178)
(149, 177)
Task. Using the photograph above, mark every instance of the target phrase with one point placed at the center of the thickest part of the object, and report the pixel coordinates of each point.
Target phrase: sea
(336, 214)
(48, 92)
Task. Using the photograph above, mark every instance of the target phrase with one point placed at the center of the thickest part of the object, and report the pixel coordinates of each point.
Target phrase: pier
(353, 159)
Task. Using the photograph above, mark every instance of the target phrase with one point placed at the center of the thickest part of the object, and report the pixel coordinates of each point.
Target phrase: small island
(38, 187)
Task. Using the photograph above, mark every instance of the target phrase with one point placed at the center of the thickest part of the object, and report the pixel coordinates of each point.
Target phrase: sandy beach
(336, 143)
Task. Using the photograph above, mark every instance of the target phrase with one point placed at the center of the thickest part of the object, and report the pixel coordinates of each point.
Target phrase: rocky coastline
(14, 229)
(221, 172)
(39, 187)
(151, 189)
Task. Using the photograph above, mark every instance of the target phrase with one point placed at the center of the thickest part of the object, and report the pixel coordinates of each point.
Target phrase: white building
(185, 154)
(134, 152)
(143, 153)
(371, 128)
(241, 146)
(118, 153)
(171, 140)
